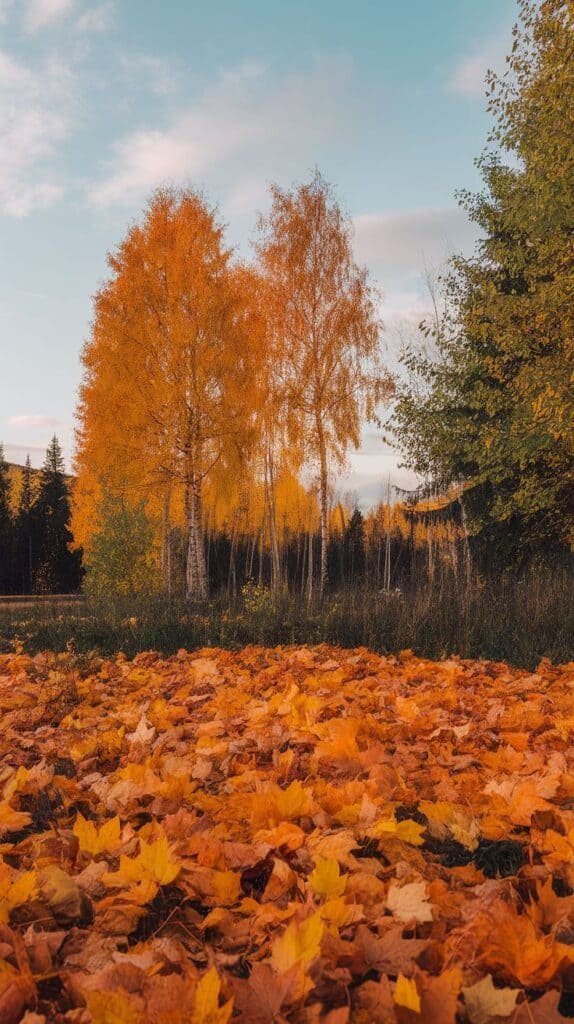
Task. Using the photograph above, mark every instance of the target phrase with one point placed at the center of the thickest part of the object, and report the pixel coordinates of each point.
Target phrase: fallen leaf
(483, 1001)
(409, 902)
(406, 994)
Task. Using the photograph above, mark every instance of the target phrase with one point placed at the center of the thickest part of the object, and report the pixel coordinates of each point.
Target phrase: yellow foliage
(154, 864)
(326, 879)
(207, 1009)
(93, 840)
(409, 831)
(300, 943)
(15, 890)
(406, 994)
(112, 1008)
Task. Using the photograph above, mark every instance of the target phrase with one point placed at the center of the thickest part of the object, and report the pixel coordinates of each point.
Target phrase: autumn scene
(287, 512)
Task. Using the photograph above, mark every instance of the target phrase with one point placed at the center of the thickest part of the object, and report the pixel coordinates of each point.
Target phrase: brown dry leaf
(483, 1001)
(540, 1011)
(409, 902)
(61, 893)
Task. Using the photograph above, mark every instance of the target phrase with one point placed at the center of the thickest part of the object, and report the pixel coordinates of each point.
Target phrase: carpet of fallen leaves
(297, 834)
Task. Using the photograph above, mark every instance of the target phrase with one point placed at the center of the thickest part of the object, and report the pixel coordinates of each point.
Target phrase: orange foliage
(300, 834)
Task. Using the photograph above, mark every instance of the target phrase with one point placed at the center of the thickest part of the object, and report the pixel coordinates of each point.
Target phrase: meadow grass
(519, 619)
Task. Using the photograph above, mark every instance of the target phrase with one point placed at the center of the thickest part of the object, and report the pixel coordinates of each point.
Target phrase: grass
(515, 619)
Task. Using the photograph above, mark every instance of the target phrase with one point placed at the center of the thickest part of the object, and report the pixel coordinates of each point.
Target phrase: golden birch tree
(325, 328)
(165, 393)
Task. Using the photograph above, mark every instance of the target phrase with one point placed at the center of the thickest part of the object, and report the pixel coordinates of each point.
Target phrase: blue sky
(102, 101)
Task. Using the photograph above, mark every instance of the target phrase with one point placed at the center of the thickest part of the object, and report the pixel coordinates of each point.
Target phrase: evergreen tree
(496, 408)
(5, 526)
(57, 569)
(354, 547)
(24, 540)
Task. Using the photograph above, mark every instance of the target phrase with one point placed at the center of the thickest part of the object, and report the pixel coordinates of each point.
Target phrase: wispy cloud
(406, 250)
(367, 479)
(405, 241)
(154, 72)
(35, 106)
(468, 78)
(234, 125)
(96, 19)
(5, 6)
(40, 13)
(35, 421)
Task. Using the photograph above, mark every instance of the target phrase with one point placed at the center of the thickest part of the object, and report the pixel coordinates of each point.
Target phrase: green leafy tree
(493, 407)
(58, 568)
(121, 560)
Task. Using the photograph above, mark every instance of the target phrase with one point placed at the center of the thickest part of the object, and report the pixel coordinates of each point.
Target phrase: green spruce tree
(58, 568)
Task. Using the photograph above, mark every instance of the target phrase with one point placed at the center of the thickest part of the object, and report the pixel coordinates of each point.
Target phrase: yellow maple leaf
(409, 831)
(207, 1009)
(15, 891)
(226, 886)
(300, 943)
(406, 994)
(326, 879)
(154, 864)
(272, 805)
(155, 859)
(338, 914)
(93, 840)
(112, 1008)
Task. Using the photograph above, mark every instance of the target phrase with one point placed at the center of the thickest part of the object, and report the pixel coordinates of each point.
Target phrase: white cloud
(96, 19)
(34, 421)
(369, 474)
(405, 241)
(41, 12)
(5, 6)
(468, 77)
(233, 127)
(34, 118)
(154, 72)
(406, 251)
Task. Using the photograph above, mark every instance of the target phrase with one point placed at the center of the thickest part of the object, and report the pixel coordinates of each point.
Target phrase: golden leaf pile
(292, 835)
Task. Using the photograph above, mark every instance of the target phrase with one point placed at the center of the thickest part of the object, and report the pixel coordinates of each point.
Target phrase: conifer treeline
(35, 535)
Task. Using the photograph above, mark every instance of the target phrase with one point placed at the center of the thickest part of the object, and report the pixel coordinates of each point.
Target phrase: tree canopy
(493, 407)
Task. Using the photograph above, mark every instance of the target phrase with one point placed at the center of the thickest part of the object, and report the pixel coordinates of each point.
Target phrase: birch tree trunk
(272, 517)
(166, 544)
(310, 565)
(196, 570)
(324, 502)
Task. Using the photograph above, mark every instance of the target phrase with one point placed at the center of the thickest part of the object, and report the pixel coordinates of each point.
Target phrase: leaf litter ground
(300, 834)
